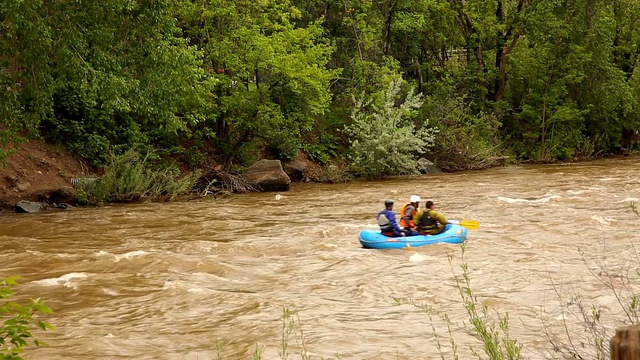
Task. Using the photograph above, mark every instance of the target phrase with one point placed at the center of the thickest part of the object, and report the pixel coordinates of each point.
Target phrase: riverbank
(35, 171)
(41, 172)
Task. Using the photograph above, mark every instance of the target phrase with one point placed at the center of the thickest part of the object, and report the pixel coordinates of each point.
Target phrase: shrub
(384, 142)
(130, 177)
(334, 173)
(466, 140)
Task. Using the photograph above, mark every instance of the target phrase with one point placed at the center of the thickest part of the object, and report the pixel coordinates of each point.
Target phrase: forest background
(368, 86)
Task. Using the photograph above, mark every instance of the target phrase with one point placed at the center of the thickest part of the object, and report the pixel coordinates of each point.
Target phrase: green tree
(384, 139)
(273, 79)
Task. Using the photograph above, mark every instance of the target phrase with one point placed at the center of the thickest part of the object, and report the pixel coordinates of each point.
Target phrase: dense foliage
(226, 82)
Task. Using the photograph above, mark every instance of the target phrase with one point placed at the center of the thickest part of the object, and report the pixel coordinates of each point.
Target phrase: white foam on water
(596, 188)
(601, 220)
(130, 255)
(110, 292)
(577, 192)
(35, 252)
(208, 277)
(543, 199)
(168, 285)
(64, 280)
(200, 291)
(417, 257)
(510, 200)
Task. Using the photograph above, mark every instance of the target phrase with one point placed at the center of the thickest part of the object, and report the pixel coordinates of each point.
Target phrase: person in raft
(430, 221)
(408, 211)
(387, 221)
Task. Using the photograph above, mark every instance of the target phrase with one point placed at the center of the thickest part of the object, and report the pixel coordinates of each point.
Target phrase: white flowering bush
(384, 139)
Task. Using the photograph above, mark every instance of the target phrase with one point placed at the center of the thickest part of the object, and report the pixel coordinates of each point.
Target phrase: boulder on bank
(295, 169)
(29, 206)
(268, 175)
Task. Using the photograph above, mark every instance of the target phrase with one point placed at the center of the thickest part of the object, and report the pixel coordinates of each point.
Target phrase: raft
(373, 239)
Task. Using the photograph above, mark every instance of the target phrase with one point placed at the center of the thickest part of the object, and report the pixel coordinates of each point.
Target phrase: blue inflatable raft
(373, 239)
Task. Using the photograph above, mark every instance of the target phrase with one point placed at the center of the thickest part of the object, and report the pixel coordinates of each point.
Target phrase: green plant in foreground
(492, 333)
(18, 322)
(291, 330)
(591, 340)
(291, 326)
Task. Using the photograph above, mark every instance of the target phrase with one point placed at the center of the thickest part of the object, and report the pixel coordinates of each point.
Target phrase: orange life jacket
(403, 223)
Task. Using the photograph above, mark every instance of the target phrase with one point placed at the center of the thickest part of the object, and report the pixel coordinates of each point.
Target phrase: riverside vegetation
(363, 87)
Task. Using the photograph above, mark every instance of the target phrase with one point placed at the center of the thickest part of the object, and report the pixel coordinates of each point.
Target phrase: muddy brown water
(177, 280)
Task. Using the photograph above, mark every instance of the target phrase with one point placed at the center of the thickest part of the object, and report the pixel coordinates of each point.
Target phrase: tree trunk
(502, 51)
(419, 73)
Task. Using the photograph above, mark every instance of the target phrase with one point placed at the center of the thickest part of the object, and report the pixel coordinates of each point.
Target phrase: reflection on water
(173, 280)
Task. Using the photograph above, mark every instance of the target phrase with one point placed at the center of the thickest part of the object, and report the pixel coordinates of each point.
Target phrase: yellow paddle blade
(470, 224)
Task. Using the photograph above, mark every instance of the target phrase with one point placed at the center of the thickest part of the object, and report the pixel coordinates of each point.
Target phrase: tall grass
(292, 336)
(591, 341)
(133, 177)
(490, 328)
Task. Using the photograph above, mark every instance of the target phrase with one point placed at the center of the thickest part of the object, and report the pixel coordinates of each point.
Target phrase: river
(189, 280)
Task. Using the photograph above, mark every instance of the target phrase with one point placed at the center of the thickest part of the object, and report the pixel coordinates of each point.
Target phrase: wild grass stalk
(491, 328)
(591, 341)
(291, 331)
(634, 207)
(598, 327)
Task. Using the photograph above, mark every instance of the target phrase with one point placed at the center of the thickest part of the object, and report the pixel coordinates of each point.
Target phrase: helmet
(388, 202)
(414, 198)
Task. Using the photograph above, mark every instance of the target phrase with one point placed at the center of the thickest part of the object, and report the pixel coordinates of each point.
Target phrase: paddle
(469, 224)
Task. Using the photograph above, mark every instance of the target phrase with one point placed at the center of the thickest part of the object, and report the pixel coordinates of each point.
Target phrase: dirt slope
(37, 168)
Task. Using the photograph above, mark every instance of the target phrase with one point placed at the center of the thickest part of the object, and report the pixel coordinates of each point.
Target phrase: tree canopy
(237, 80)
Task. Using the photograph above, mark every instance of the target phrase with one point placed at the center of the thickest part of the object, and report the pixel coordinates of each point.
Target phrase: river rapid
(194, 279)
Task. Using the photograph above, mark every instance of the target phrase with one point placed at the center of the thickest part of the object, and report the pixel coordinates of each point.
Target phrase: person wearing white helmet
(407, 212)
